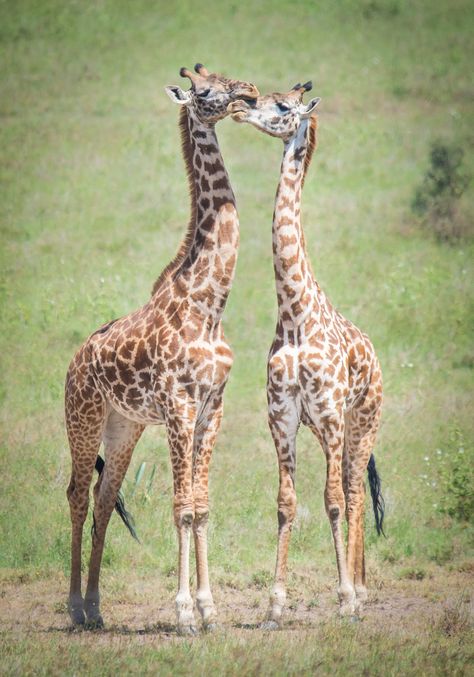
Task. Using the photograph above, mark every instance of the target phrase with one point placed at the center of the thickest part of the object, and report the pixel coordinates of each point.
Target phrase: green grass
(94, 204)
(327, 651)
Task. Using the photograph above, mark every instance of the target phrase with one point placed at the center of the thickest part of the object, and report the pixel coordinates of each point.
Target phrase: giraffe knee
(78, 500)
(183, 510)
(334, 500)
(335, 506)
(184, 517)
(201, 518)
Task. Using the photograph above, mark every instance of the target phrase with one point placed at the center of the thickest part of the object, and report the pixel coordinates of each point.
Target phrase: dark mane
(312, 143)
(187, 150)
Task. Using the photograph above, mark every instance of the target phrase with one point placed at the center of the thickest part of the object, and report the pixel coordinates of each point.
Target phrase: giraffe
(322, 370)
(166, 363)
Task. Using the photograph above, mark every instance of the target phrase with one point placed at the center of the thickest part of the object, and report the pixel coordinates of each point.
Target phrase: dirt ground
(144, 608)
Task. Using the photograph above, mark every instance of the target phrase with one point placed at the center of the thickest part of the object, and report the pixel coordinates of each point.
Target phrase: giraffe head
(210, 93)
(276, 114)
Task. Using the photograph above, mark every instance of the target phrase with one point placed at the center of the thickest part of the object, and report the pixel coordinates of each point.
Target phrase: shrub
(436, 200)
(457, 478)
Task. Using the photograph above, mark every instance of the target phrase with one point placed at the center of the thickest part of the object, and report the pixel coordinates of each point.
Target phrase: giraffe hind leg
(120, 437)
(361, 430)
(332, 441)
(84, 434)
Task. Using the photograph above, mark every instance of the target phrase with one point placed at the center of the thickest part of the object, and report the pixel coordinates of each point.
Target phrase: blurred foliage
(457, 477)
(436, 200)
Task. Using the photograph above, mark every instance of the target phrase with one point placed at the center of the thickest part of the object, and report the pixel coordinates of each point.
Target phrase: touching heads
(276, 114)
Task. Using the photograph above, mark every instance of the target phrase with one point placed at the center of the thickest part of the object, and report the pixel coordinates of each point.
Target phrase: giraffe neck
(203, 270)
(293, 274)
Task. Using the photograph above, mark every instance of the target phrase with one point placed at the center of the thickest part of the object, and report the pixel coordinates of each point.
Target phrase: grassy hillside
(94, 205)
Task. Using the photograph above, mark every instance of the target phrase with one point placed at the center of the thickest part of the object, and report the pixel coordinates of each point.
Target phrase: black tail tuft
(376, 493)
(125, 516)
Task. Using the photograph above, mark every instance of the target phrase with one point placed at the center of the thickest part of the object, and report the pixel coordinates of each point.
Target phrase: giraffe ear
(177, 95)
(309, 108)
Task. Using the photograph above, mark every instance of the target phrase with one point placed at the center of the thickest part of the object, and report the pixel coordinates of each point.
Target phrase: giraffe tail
(378, 502)
(125, 516)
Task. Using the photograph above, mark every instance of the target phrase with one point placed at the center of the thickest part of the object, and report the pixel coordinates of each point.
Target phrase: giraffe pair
(168, 363)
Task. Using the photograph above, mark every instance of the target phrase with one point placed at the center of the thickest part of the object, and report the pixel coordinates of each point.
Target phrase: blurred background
(94, 204)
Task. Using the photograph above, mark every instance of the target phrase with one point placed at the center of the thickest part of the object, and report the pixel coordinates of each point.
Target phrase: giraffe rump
(125, 516)
(378, 502)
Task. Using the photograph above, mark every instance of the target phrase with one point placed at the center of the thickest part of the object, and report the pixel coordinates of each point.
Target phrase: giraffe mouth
(239, 116)
(238, 110)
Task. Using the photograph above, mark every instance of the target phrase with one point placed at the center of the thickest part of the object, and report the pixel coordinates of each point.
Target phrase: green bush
(457, 477)
(436, 200)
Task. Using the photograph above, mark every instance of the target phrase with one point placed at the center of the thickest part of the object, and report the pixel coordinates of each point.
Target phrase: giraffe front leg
(180, 437)
(204, 599)
(203, 445)
(284, 426)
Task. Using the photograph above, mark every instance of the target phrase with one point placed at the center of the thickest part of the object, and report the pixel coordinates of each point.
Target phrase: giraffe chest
(312, 376)
(144, 385)
(308, 368)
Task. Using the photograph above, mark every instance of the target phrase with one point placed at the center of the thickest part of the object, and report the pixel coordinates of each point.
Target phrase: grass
(321, 652)
(93, 206)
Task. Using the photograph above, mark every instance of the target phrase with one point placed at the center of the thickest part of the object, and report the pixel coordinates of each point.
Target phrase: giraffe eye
(282, 108)
(202, 95)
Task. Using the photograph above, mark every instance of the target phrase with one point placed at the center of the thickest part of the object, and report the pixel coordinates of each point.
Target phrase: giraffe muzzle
(238, 110)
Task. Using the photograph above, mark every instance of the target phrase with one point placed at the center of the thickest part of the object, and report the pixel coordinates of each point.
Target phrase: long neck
(293, 274)
(203, 269)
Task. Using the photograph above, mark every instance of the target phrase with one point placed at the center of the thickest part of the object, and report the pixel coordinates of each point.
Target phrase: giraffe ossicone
(166, 363)
(322, 370)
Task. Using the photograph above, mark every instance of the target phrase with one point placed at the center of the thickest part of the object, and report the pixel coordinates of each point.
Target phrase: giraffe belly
(148, 412)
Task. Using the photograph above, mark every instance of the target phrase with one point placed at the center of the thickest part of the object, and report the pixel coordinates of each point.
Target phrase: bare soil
(144, 608)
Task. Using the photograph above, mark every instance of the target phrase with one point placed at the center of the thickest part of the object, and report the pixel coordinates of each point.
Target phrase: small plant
(413, 574)
(457, 477)
(139, 477)
(261, 579)
(455, 618)
(313, 603)
(436, 200)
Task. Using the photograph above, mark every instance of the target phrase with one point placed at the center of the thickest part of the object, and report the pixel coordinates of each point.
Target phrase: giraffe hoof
(96, 623)
(269, 625)
(361, 593)
(77, 615)
(78, 618)
(211, 627)
(187, 630)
